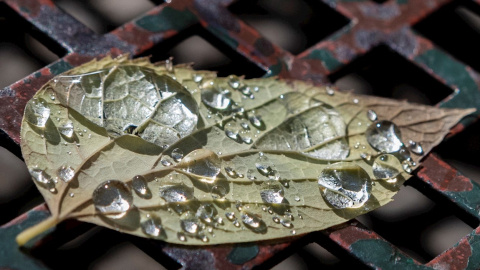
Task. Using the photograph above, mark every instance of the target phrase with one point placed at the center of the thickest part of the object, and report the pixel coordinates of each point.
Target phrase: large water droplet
(177, 154)
(41, 178)
(66, 173)
(37, 112)
(232, 129)
(272, 192)
(286, 223)
(152, 226)
(264, 166)
(254, 222)
(140, 186)
(345, 185)
(65, 128)
(190, 224)
(256, 121)
(176, 193)
(230, 215)
(203, 163)
(415, 147)
(216, 99)
(234, 81)
(112, 198)
(384, 136)
(386, 166)
(206, 212)
(218, 192)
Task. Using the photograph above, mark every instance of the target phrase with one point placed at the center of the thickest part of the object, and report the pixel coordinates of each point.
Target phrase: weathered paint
(242, 254)
(167, 20)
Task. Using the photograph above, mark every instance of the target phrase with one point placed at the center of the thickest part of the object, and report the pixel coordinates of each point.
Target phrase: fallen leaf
(183, 156)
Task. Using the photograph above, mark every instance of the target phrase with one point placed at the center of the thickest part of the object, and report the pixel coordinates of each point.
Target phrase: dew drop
(203, 163)
(276, 219)
(41, 178)
(176, 193)
(140, 186)
(169, 64)
(384, 136)
(246, 136)
(206, 212)
(296, 198)
(166, 161)
(245, 126)
(152, 226)
(71, 194)
(129, 129)
(236, 223)
(216, 99)
(293, 232)
(234, 82)
(53, 190)
(256, 121)
(230, 215)
(345, 185)
(197, 78)
(372, 115)
(330, 91)
(264, 166)
(415, 147)
(65, 127)
(251, 174)
(177, 154)
(190, 224)
(272, 192)
(181, 237)
(66, 173)
(246, 91)
(386, 166)
(112, 198)
(37, 112)
(231, 172)
(286, 223)
(204, 239)
(218, 192)
(253, 222)
(355, 100)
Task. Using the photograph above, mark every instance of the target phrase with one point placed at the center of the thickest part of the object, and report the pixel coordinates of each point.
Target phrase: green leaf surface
(183, 156)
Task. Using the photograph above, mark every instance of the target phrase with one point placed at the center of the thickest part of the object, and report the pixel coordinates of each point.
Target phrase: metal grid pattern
(371, 26)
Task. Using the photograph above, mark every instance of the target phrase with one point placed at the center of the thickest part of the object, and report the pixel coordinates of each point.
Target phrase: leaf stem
(28, 234)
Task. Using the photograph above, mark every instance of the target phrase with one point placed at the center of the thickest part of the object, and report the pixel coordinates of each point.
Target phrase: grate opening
(197, 45)
(23, 49)
(455, 28)
(297, 20)
(380, 1)
(407, 223)
(467, 159)
(103, 16)
(383, 72)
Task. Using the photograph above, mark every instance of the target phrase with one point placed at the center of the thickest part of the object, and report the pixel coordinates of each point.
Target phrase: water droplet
(256, 121)
(230, 215)
(386, 166)
(216, 99)
(152, 226)
(203, 163)
(245, 126)
(166, 161)
(41, 178)
(113, 198)
(272, 192)
(181, 237)
(204, 239)
(330, 91)
(247, 91)
(286, 223)
(293, 232)
(66, 173)
(415, 147)
(296, 198)
(177, 154)
(53, 190)
(253, 222)
(236, 223)
(71, 194)
(65, 127)
(246, 136)
(276, 219)
(129, 129)
(218, 192)
(251, 174)
(406, 166)
(366, 157)
(140, 186)
(231, 130)
(234, 81)
(169, 64)
(355, 100)
(384, 136)
(231, 172)
(345, 185)
(206, 212)
(372, 115)
(264, 166)
(37, 112)
(69, 152)
(197, 78)
(190, 224)
(176, 193)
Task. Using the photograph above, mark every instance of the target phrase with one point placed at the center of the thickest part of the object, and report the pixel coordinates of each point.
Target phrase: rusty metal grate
(419, 50)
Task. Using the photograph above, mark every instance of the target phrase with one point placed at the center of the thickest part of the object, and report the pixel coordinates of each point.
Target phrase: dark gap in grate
(455, 28)
(293, 25)
(409, 223)
(104, 16)
(461, 151)
(379, 1)
(206, 51)
(23, 49)
(383, 72)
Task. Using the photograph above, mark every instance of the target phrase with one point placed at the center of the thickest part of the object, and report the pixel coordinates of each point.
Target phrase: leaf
(180, 155)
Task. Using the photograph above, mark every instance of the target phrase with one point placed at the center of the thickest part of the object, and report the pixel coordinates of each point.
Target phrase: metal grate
(394, 48)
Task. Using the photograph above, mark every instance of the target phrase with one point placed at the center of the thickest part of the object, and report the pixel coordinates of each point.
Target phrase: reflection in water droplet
(272, 192)
(71, 194)
(231, 172)
(66, 173)
(129, 129)
(384, 136)
(37, 112)
(345, 185)
(230, 215)
(206, 212)
(386, 166)
(265, 166)
(41, 178)
(197, 78)
(216, 99)
(234, 82)
(236, 223)
(190, 224)
(372, 115)
(286, 223)
(330, 91)
(247, 91)
(245, 125)
(112, 198)
(152, 226)
(166, 161)
(218, 192)
(203, 163)
(276, 219)
(177, 154)
(253, 222)
(415, 147)
(176, 193)
(140, 186)
(65, 127)
(246, 136)
(296, 198)
(251, 174)
(256, 121)
(231, 130)
(181, 237)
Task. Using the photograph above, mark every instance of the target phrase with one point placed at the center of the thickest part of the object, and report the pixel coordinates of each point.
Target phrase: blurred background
(422, 227)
